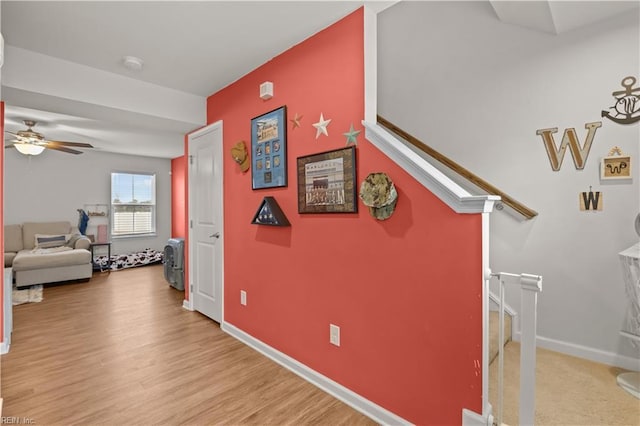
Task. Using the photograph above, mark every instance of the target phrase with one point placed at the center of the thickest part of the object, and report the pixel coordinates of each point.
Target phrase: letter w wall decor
(570, 139)
(590, 200)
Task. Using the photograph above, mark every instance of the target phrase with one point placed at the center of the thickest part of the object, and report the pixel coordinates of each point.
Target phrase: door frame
(188, 303)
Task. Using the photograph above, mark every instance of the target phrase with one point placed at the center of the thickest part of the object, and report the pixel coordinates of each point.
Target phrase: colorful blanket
(131, 260)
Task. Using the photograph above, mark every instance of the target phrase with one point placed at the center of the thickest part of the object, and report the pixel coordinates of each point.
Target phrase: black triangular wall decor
(270, 213)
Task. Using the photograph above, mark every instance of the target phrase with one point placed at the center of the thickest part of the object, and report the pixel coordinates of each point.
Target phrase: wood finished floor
(120, 349)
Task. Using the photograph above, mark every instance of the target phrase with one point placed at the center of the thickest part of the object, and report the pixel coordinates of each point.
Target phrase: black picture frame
(327, 182)
(269, 149)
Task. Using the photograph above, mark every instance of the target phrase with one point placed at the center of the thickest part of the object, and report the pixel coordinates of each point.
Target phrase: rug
(131, 260)
(32, 294)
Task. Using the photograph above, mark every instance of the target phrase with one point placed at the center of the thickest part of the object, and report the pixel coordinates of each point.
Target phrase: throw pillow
(72, 240)
(49, 241)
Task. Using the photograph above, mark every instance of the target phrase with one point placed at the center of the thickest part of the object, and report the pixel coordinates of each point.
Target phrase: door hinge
(191, 224)
(191, 159)
(191, 288)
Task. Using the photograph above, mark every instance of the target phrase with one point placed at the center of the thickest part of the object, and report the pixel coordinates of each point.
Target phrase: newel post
(530, 285)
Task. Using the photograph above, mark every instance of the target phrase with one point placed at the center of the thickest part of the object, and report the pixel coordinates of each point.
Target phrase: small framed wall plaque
(615, 166)
(327, 182)
(269, 149)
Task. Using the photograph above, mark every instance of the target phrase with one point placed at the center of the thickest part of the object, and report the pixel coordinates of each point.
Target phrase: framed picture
(327, 182)
(269, 149)
(615, 167)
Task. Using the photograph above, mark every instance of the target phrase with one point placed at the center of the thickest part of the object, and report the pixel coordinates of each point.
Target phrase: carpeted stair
(494, 338)
(494, 330)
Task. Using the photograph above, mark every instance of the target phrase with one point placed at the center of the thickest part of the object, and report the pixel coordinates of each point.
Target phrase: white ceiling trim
(38, 73)
(113, 112)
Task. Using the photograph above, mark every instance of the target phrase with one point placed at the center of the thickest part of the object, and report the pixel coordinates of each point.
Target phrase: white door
(205, 225)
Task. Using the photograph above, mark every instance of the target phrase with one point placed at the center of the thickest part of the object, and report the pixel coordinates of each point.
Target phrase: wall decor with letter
(616, 165)
(269, 149)
(590, 200)
(327, 182)
(626, 110)
(570, 139)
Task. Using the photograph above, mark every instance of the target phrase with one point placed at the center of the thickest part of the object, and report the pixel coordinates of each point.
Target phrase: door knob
(217, 235)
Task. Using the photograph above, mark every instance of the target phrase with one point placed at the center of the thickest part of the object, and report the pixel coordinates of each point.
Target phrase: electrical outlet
(243, 297)
(334, 334)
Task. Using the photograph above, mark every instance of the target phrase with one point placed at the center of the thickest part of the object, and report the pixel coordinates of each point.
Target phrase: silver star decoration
(321, 126)
(351, 135)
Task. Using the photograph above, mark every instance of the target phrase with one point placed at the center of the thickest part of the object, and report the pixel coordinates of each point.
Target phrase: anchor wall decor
(626, 110)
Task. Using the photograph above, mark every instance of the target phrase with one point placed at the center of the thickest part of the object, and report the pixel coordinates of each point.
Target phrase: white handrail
(530, 286)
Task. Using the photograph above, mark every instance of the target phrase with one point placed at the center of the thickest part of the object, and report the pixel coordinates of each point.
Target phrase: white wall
(477, 89)
(53, 185)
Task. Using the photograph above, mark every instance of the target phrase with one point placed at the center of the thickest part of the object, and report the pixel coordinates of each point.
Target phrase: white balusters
(530, 286)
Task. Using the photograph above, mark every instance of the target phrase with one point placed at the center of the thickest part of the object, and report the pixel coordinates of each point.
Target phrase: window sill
(129, 236)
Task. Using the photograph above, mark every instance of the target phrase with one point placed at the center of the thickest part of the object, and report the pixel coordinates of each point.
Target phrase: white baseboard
(5, 346)
(495, 299)
(186, 304)
(363, 405)
(585, 352)
(471, 418)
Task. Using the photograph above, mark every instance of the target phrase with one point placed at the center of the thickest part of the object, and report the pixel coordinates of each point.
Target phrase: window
(133, 203)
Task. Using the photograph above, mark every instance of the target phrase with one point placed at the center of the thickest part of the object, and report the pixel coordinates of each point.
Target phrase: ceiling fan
(30, 142)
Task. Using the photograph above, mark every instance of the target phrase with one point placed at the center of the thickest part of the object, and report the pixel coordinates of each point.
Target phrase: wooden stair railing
(470, 176)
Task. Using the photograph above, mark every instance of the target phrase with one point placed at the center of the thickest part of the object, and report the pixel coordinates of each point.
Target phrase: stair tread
(494, 321)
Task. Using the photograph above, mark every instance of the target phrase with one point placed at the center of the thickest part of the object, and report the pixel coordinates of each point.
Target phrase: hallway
(121, 349)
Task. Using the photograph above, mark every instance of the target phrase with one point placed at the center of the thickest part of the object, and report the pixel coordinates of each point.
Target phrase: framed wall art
(269, 149)
(327, 182)
(616, 165)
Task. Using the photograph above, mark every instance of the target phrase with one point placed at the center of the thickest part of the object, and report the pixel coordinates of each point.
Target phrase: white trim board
(470, 418)
(357, 402)
(187, 304)
(585, 352)
(507, 308)
(452, 194)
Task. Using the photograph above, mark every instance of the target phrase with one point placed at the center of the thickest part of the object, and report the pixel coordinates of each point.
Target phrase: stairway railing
(468, 175)
(530, 286)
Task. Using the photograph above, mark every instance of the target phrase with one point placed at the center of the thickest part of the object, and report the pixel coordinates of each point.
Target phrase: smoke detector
(266, 90)
(132, 63)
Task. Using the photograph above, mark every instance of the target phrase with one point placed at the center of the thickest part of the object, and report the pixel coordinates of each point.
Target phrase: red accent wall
(178, 197)
(406, 292)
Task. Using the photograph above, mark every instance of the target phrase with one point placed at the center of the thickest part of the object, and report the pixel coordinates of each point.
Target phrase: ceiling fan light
(29, 148)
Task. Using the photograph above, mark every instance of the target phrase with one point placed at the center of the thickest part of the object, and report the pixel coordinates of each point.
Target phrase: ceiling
(557, 17)
(190, 50)
(63, 60)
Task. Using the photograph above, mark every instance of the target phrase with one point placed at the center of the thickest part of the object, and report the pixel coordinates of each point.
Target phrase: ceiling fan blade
(64, 143)
(63, 149)
(11, 133)
(9, 146)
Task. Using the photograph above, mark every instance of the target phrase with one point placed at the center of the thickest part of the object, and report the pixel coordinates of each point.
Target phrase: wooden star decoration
(321, 126)
(351, 135)
(296, 120)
